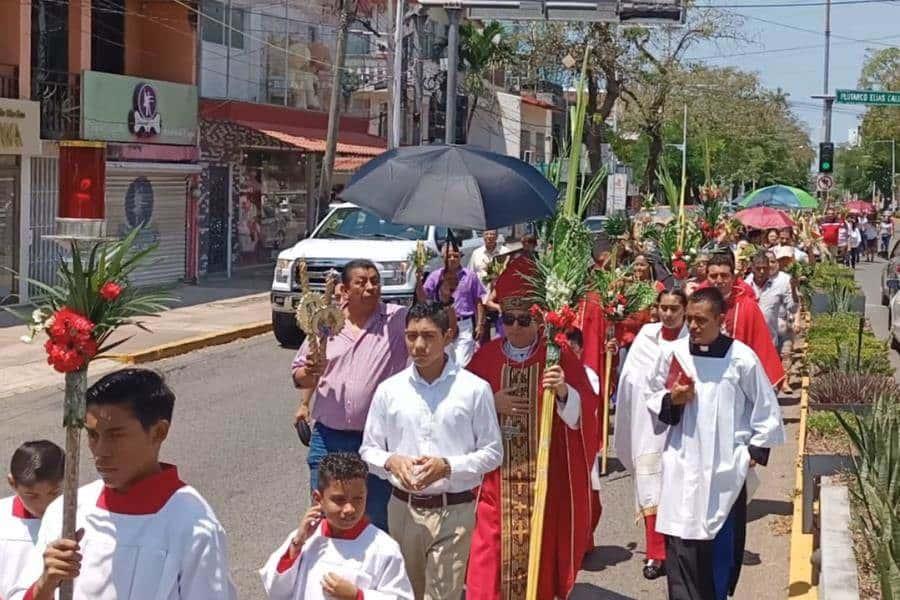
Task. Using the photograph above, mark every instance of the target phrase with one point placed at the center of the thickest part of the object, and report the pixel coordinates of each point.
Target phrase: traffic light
(826, 157)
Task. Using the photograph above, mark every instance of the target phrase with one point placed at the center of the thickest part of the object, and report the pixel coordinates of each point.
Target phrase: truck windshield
(355, 223)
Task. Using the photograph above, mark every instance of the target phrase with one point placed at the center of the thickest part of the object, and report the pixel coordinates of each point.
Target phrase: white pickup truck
(348, 232)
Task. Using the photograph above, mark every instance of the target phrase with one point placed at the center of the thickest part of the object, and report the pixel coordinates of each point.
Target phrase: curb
(190, 344)
(801, 569)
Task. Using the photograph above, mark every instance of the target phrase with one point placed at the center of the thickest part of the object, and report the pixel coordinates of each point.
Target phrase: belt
(433, 501)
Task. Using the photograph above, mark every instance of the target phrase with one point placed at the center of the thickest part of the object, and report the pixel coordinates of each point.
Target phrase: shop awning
(316, 144)
(348, 164)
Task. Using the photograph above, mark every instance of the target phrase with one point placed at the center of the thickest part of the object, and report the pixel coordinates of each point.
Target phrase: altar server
(723, 417)
(336, 554)
(639, 438)
(143, 534)
(35, 476)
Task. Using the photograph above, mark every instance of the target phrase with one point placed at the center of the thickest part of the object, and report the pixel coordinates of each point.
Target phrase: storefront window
(272, 205)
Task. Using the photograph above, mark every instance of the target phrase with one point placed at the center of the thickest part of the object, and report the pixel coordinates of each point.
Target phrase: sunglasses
(522, 320)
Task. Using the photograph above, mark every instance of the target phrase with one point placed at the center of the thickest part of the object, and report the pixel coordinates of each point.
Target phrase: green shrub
(832, 346)
(876, 437)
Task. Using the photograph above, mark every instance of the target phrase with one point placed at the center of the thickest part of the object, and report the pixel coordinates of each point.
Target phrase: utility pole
(827, 99)
(348, 8)
(452, 61)
(397, 83)
(419, 22)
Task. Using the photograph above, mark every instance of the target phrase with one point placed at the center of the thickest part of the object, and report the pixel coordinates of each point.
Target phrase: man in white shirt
(432, 431)
(143, 533)
(35, 476)
(482, 257)
(773, 290)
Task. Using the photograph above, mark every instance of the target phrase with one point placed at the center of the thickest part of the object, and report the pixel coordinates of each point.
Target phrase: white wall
(497, 124)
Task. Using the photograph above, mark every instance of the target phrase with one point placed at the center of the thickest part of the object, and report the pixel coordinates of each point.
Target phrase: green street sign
(868, 97)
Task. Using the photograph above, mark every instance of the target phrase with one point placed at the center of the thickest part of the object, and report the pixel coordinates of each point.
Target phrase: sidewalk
(216, 312)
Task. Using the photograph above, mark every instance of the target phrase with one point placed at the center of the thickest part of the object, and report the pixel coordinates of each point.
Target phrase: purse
(303, 432)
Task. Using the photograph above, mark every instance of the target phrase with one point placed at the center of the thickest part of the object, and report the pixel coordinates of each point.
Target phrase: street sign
(868, 97)
(824, 183)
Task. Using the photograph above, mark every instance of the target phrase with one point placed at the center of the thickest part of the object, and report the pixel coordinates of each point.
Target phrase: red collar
(19, 511)
(145, 497)
(344, 534)
(670, 334)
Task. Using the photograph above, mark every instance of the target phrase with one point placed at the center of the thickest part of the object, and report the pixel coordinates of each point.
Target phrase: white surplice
(176, 552)
(639, 438)
(706, 455)
(370, 560)
(18, 535)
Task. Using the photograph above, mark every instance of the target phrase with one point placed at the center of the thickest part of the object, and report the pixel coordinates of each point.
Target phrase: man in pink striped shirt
(369, 349)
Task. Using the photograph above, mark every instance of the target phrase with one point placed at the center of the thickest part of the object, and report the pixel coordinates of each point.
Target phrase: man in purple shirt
(370, 348)
(467, 302)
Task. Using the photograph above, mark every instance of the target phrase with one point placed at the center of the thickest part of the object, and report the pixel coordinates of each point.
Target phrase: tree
(654, 64)
(751, 135)
(482, 51)
(881, 71)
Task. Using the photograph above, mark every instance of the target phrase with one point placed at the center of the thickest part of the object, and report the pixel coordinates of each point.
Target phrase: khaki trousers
(435, 546)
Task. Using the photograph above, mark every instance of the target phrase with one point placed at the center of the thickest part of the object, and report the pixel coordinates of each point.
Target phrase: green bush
(876, 437)
(832, 341)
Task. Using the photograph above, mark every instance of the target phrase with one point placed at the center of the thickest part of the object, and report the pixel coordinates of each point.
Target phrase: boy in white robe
(143, 534)
(639, 439)
(35, 476)
(336, 554)
(723, 417)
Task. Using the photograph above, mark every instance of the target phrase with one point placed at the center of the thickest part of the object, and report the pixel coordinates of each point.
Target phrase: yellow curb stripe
(801, 570)
(190, 344)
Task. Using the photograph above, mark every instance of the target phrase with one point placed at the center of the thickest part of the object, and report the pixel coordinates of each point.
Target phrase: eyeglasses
(522, 320)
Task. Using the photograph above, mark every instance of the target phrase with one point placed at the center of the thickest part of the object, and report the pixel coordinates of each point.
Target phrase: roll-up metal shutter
(157, 197)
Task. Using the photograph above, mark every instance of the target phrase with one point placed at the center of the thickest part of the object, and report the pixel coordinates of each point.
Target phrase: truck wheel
(286, 331)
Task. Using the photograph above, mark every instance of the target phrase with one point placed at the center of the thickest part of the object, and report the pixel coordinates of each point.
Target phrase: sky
(800, 72)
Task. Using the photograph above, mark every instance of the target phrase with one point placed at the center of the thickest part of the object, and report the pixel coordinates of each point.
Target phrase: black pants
(708, 569)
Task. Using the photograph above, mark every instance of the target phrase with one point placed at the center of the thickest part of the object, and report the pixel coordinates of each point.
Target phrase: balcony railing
(60, 97)
(9, 81)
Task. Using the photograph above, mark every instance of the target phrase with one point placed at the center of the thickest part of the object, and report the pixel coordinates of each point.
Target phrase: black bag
(303, 432)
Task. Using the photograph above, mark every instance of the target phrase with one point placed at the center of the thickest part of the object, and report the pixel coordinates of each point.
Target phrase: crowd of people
(424, 437)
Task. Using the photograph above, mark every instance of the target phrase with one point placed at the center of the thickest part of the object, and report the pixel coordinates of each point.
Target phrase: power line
(804, 30)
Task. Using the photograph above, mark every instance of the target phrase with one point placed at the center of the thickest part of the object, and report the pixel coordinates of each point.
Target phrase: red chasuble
(745, 322)
(593, 325)
(498, 561)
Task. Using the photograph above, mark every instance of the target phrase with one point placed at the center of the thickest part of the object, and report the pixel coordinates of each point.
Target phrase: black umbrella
(453, 186)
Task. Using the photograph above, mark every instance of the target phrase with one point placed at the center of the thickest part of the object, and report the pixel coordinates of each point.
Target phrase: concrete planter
(838, 579)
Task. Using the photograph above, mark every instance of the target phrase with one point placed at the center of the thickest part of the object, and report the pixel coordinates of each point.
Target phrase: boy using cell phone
(336, 553)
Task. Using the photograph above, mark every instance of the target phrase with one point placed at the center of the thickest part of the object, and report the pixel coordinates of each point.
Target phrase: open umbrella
(763, 217)
(779, 196)
(859, 206)
(454, 186)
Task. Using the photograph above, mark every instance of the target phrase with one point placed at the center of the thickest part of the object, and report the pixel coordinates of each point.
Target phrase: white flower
(38, 316)
(496, 39)
(27, 338)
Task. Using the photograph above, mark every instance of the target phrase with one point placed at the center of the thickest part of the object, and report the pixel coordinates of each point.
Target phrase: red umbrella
(764, 217)
(860, 206)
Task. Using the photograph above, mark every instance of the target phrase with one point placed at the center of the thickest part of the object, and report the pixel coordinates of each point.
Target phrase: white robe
(372, 562)
(639, 438)
(17, 539)
(177, 553)
(706, 456)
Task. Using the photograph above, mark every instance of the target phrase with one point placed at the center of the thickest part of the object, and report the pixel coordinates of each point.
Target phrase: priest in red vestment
(514, 366)
(744, 320)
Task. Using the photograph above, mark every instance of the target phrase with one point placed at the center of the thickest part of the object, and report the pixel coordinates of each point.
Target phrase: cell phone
(303, 432)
